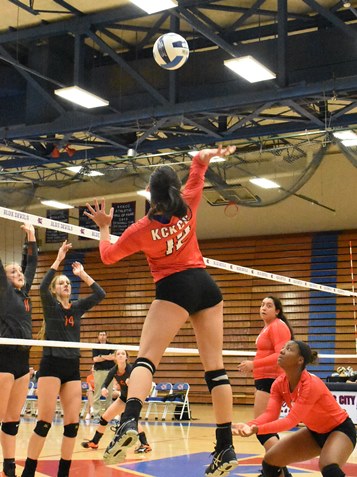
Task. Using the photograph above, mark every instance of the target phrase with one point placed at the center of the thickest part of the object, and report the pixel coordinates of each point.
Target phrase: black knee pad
(216, 378)
(332, 470)
(102, 421)
(10, 428)
(262, 438)
(145, 363)
(71, 430)
(270, 470)
(42, 428)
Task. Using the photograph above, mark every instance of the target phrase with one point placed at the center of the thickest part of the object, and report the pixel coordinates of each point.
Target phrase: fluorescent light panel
(264, 183)
(80, 96)
(348, 137)
(144, 193)
(56, 205)
(153, 6)
(214, 159)
(250, 69)
(77, 169)
(218, 159)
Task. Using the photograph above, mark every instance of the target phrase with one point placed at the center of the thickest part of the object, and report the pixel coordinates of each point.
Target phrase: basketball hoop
(231, 209)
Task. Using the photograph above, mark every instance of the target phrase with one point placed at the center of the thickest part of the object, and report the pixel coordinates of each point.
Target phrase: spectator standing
(103, 362)
(90, 392)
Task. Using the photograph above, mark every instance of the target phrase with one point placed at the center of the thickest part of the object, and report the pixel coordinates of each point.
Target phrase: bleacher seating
(324, 320)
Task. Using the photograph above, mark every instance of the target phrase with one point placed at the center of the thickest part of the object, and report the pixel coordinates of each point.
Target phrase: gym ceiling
(282, 127)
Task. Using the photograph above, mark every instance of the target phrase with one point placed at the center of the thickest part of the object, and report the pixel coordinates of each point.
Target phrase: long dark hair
(278, 306)
(306, 352)
(165, 193)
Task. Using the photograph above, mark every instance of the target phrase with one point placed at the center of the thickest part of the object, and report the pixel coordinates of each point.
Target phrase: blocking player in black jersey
(15, 322)
(59, 368)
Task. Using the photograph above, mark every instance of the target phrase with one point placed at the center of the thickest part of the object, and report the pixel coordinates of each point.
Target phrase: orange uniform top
(90, 381)
(169, 248)
(311, 403)
(269, 344)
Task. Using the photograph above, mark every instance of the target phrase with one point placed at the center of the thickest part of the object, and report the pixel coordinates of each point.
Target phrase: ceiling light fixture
(56, 205)
(84, 170)
(131, 153)
(250, 69)
(348, 138)
(217, 159)
(264, 183)
(144, 193)
(154, 6)
(214, 159)
(80, 96)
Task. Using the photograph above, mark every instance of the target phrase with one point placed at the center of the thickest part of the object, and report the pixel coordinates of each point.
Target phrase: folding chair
(31, 400)
(146, 402)
(84, 399)
(158, 398)
(178, 403)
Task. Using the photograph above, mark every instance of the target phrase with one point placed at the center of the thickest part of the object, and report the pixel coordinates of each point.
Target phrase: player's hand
(62, 252)
(98, 214)
(207, 154)
(77, 268)
(104, 392)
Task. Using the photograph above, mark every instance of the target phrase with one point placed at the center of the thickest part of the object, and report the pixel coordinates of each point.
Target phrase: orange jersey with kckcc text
(311, 403)
(169, 248)
(269, 343)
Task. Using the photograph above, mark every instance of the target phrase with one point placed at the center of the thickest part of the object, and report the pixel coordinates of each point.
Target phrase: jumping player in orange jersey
(184, 289)
(329, 432)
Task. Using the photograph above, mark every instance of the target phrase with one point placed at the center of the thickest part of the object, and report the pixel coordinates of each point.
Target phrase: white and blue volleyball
(171, 51)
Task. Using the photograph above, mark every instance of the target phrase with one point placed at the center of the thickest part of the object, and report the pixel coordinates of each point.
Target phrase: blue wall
(322, 306)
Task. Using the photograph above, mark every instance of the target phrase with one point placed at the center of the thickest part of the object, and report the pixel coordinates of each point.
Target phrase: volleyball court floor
(179, 450)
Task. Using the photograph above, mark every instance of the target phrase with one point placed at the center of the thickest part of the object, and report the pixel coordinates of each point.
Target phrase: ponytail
(310, 357)
(278, 305)
(166, 198)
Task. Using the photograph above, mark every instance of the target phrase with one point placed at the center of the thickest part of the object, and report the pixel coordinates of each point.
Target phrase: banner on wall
(54, 236)
(85, 222)
(124, 215)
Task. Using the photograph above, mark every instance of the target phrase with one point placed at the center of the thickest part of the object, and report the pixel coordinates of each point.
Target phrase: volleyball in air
(171, 51)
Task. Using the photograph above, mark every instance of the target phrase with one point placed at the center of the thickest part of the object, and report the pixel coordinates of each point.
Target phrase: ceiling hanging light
(348, 138)
(154, 6)
(264, 183)
(56, 205)
(84, 170)
(250, 69)
(80, 96)
(144, 193)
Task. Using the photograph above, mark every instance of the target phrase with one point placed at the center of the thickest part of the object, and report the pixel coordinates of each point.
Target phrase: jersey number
(177, 242)
(69, 321)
